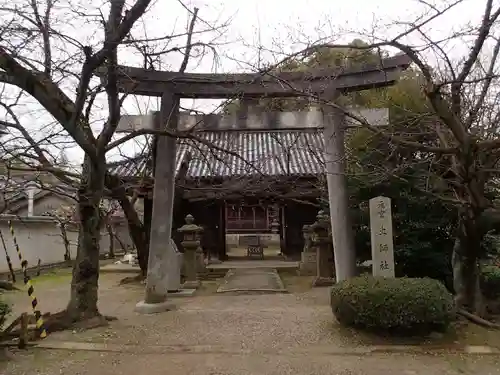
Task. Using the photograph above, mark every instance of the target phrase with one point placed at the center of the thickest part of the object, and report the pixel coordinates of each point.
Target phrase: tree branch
(47, 93)
(112, 80)
(484, 30)
(189, 40)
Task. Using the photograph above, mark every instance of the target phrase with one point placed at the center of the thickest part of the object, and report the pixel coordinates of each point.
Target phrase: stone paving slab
(182, 293)
(120, 268)
(252, 280)
(232, 264)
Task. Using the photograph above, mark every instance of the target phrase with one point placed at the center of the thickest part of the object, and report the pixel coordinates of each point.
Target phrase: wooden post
(160, 249)
(23, 333)
(343, 240)
(282, 221)
(221, 235)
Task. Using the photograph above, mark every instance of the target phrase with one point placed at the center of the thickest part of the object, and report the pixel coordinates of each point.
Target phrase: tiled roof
(242, 153)
(137, 166)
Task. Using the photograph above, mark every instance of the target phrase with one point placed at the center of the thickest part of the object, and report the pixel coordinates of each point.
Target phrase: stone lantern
(191, 236)
(307, 234)
(308, 256)
(322, 240)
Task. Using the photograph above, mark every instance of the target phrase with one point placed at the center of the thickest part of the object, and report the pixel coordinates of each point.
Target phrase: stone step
(213, 274)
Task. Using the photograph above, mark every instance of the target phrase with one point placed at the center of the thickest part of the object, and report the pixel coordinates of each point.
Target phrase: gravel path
(248, 334)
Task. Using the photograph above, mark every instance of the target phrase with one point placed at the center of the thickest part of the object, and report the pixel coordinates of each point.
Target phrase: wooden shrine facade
(249, 217)
(277, 178)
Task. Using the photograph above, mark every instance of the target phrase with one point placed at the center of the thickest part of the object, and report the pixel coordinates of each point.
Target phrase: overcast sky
(259, 31)
(264, 31)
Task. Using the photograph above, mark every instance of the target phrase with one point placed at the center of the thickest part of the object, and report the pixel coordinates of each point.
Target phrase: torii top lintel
(286, 84)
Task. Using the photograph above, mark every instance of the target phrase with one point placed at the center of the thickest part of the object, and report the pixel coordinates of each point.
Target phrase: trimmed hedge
(394, 305)
(490, 281)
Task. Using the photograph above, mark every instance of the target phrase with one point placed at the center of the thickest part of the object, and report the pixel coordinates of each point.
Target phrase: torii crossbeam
(286, 84)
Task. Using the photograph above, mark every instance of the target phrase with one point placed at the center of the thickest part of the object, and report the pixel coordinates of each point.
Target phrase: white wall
(38, 238)
(46, 204)
(121, 231)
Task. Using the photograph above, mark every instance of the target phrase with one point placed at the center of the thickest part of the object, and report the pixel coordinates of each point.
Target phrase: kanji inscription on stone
(381, 237)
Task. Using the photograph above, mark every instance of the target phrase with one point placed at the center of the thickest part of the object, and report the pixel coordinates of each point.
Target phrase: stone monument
(381, 237)
(174, 275)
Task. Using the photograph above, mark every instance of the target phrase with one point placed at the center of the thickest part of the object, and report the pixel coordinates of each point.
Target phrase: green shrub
(393, 305)
(490, 281)
(4, 311)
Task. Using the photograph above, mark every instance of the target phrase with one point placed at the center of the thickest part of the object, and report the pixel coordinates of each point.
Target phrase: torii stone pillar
(160, 249)
(338, 197)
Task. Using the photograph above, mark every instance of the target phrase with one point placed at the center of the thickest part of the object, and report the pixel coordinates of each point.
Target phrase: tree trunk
(84, 285)
(120, 242)
(137, 233)
(64, 234)
(465, 263)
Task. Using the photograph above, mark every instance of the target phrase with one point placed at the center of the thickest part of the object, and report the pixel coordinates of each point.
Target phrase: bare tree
(459, 136)
(41, 81)
(56, 69)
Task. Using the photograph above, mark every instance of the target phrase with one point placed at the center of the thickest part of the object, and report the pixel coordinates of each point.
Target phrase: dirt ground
(223, 334)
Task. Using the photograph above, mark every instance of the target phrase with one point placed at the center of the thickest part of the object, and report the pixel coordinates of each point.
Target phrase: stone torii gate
(326, 84)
